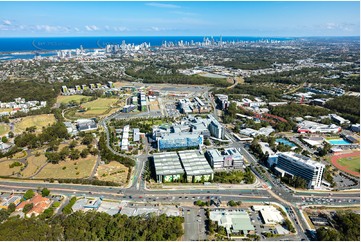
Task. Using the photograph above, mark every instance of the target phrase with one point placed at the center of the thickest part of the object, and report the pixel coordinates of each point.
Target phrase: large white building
(313, 127)
(216, 129)
(298, 165)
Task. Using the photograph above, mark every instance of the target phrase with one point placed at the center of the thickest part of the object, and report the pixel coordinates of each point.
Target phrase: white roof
(194, 163)
(167, 163)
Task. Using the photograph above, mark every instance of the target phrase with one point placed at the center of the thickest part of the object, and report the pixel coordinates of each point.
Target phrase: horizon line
(255, 36)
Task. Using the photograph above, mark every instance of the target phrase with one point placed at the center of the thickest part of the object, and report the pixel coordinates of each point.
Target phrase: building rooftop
(167, 163)
(302, 159)
(194, 163)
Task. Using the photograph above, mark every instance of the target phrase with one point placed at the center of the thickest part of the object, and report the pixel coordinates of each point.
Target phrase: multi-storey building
(298, 165)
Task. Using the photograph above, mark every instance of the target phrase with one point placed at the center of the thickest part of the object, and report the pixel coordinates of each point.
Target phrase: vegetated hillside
(297, 110)
(30, 90)
(149, 75)
(348, 106)
(93, 226)
(347, 228)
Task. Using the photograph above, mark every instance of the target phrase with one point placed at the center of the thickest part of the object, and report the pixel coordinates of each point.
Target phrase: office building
(215, 158)
(128, 108)
(179, 140)
(64, 89)
(236, 158)
(355, 128)
(289, 163)
(338, 119)
(125, 143)
(111, 85)
(86, 125)
(216, 129)
(167, 167)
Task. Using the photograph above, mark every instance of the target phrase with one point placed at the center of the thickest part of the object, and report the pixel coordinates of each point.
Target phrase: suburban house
(40, 204)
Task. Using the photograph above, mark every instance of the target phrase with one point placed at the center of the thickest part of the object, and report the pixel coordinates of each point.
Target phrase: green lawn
(353, 163)
(68, 99)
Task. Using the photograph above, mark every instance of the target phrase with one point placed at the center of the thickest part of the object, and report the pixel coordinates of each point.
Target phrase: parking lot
(194, 224)
(172, 110)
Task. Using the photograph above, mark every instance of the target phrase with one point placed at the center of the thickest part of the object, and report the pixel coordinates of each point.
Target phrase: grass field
(96, 108)
(4, 129)
(38, 121)
(80, 168)
(5, 110)
(20, 155)
(352, 163)
(99, 106)
(34, 163)
(68, 99)
(5, 170)
(114, 171)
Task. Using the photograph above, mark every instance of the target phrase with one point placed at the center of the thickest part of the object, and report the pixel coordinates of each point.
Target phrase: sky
(260, 19)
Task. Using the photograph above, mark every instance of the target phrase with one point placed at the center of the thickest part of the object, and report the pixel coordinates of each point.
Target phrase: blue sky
(179, 18)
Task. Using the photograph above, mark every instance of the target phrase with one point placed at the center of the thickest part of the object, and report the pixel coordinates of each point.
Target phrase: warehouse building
(195, 166)
(167, 167)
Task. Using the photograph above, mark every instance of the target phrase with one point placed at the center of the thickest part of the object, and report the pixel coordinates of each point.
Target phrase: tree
(11, 134)
(64, 153)
(4, 139)
(45, 192)
(28, 207)
(73, 144)
(31, 129)
(207, 142)
(4, 215)
(87, 139)
(287, 223)
(84, 153)
(52, 157)
(11, 207)
(74, 154)
(29, 194)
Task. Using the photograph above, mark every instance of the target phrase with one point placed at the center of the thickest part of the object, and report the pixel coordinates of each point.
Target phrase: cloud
(7, 22)
(339, 26)
(183, 13)
(163, 5)
(91, 27)
(49, 28)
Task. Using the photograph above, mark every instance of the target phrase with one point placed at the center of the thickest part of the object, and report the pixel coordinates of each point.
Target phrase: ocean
(24, 48)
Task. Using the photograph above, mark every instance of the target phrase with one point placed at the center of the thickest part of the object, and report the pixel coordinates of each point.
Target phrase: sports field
(68, 99)
(4, 129)
(349, 162)
(38, 121)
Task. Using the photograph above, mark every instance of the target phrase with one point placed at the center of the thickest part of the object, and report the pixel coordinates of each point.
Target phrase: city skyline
(269, 19)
